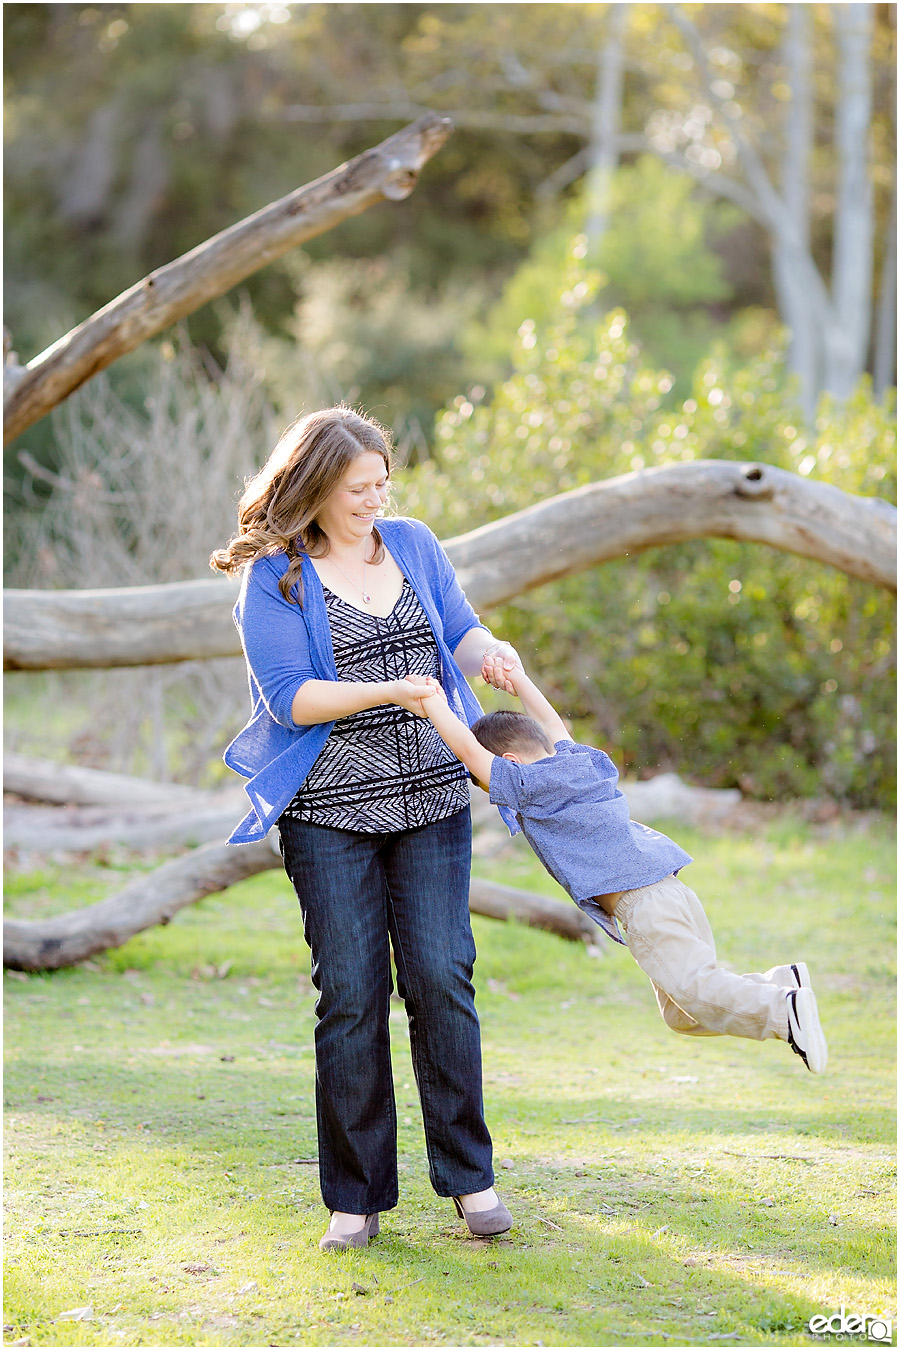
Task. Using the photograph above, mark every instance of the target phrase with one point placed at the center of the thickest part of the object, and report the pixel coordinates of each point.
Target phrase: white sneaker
(795, 976)
(805, 1035)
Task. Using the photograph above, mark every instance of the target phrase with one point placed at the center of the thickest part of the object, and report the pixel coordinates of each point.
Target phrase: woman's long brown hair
(279, 507)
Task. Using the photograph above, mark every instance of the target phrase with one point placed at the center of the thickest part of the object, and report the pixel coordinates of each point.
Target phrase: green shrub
(733, 663)
(667, 279)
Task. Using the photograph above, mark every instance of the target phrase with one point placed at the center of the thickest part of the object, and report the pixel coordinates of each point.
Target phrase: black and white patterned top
(382, 769)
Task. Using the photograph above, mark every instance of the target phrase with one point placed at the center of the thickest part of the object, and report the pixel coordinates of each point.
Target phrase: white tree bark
(885, 358)
(793, 304)
(160, 826)
(386, 172)
(804, 296)
(839, 316)
(43, 780)
(847, 337)
(605, 125)
(145, 625)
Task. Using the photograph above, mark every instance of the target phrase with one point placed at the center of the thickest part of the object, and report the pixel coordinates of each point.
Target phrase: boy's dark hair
(506, 730)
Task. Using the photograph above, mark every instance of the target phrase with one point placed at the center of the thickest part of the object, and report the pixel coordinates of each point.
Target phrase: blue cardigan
(285, 646)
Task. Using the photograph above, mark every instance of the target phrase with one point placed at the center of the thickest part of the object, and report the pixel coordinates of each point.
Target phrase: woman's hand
(430, 685)
(408, 693)
(499, 659)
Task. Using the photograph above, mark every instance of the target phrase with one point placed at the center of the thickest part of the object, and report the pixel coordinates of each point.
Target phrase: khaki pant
(669, 936)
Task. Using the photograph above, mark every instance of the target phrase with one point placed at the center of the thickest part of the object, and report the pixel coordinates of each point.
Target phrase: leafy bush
(667, 278)
(732, 663)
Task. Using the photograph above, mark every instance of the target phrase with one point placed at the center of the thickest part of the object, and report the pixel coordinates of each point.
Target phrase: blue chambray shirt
(573, 814)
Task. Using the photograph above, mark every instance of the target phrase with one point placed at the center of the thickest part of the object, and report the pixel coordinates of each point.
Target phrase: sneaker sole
(816, 1046)
(801, 975)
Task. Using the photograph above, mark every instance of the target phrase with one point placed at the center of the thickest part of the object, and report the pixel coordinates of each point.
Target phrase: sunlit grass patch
(161, 1132)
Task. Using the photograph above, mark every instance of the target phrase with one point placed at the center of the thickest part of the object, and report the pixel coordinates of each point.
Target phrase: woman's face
(350, 511)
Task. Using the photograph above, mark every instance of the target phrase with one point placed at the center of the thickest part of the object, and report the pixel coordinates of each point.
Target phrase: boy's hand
(411, 693)
(428, 687)
(436, 688)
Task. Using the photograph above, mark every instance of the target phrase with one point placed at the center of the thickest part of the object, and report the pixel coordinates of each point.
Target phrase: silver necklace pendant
(367, 599)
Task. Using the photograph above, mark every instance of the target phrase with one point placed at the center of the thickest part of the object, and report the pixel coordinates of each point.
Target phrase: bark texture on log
(43, 780)
(561, 917)
(386, 172)
(128, 626)
(94, 810)
(755, 503)
(42, 830)
(50, 944)
(711, 498)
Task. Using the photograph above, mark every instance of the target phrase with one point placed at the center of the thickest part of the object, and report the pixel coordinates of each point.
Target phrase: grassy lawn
(667, 1191)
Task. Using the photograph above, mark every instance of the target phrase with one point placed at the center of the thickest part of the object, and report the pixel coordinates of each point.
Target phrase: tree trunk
(793, 299)
(128, 626)
(605, 123)
(562, 917)
(387, 171)
(93, 809)
(838, 318)
(155, 898)
(847, 339)
(885, 343)
(145, 625)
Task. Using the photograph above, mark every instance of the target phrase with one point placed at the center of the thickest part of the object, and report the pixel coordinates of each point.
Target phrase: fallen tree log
(128, 626)
(667, 796)
(90, 809)
(155, 898)
(43, 780)
(387, 172)
(565, 919)
(152, 826)
(616, 518)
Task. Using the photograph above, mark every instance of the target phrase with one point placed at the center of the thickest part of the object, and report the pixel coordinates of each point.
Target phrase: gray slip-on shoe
(341, 1242)
(485, 1222)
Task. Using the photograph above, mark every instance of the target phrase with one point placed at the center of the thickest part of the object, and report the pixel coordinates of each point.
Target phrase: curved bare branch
(386, 172)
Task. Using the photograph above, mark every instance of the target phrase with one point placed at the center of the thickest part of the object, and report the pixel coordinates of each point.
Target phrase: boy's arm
(537, 706)
(455, 733)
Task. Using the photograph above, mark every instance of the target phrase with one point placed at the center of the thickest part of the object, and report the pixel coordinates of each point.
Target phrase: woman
(372, 809)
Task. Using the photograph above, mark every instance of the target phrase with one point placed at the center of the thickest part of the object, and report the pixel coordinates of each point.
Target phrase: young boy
(567, 803)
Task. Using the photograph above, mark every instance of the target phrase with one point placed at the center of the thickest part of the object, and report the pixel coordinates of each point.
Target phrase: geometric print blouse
(382, 769)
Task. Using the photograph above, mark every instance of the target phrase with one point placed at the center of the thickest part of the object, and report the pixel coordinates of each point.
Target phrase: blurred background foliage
(513, 357)
(734, 662)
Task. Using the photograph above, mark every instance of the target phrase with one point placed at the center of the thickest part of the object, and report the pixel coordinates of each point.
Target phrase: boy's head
(513, 735)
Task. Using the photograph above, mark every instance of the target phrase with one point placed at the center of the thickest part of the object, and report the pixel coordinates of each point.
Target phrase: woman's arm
(475, 649)
(277, 645)
(480, 653)
(328, 700)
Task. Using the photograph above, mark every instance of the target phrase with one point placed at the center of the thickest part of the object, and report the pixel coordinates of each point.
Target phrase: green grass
(666, 1191)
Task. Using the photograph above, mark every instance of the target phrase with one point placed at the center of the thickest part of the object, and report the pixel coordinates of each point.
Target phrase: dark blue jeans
(361, 894)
